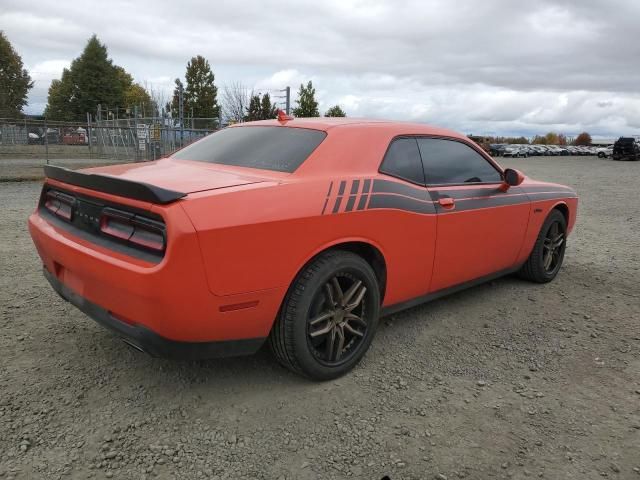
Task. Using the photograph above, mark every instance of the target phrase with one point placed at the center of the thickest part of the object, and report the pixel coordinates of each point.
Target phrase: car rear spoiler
(113, 185)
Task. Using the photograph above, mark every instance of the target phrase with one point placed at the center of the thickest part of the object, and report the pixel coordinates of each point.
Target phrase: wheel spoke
(357, 300)
(340, 346)
(548, 258)
(350, 292)
(558, 241)
(338, 290)
(322, 331)
(351, 316)
(329, 297)
(323, 316)
(330, 341)
(349, 328)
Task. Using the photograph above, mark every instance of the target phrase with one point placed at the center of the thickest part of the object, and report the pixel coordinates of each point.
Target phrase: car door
(408, 219)
(480, 226)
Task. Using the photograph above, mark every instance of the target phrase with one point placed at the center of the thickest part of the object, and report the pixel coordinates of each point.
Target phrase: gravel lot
(506, 380)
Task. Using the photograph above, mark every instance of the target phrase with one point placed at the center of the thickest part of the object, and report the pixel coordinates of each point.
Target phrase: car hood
(179, 175)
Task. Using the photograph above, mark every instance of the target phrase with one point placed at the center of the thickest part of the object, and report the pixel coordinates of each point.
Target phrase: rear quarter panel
(260, 238)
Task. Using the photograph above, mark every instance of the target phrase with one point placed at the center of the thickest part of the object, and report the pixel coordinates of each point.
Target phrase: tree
(91, 80)
(137, 96)
(552, 138)
(562, 139)
(200, 93)
(15, 81)
(335, 111)
(583, 139)
(235, 101)
(254, 110)
(268, 111)
(307, 104)
(175, 100)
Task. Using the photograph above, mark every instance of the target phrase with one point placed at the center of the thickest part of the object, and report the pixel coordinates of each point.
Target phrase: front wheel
(545, 260)
(329, 316)
(601, 155)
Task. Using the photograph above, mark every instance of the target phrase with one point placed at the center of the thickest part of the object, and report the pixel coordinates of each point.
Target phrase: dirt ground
(506, 380)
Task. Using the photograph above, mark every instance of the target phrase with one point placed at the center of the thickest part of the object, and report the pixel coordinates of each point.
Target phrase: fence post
(89, 132)
(46, 140)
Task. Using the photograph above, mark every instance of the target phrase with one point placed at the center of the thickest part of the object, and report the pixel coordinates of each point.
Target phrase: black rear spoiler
(113, 185)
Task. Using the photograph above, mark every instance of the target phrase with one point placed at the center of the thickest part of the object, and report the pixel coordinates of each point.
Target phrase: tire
(601, 155)
(299, 345)
(535, 268)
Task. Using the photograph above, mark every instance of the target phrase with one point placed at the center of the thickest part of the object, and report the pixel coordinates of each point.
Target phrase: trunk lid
(177, 175)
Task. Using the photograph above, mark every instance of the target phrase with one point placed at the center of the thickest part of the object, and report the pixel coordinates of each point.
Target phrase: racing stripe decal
(352, 197)
(336, 206)
(387, 194)
(366, 186)
(326, 201)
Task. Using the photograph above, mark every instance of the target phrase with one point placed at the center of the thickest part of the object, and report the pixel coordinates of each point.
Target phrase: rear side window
(403, 161)
(282, 149)
(448, 161)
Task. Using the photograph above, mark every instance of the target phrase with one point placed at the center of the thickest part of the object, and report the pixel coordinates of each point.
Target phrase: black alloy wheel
(337, 322)
(329, 316)
(547, 255)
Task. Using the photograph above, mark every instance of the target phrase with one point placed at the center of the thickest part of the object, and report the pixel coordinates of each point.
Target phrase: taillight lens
(140, 231)
(59, 204)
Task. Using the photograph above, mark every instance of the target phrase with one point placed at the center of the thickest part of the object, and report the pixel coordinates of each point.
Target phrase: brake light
(59, 204)
(134, 229)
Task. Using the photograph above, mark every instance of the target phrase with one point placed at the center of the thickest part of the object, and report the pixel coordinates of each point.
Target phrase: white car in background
(605, 152)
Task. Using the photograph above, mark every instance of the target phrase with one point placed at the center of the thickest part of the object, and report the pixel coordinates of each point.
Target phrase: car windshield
(281, 149)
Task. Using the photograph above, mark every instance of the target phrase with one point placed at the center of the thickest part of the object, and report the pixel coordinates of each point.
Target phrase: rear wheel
(545, 260)
(329, 316)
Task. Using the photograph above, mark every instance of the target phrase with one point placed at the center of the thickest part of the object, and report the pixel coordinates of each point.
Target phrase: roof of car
(327, 123)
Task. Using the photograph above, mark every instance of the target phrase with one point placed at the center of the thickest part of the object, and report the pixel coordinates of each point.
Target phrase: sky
(490, 67)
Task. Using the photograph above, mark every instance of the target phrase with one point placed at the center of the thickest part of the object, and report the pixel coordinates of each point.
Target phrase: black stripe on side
(352, 198)
(489, 202)
(327, 199)
(535, 197)
(465, 193)
(363, 201)
(366, 186)
(396, 202)
(343, 186)
(546, 188)
(387, 186)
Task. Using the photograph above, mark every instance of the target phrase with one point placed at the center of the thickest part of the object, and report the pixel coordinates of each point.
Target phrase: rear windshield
(281, 149)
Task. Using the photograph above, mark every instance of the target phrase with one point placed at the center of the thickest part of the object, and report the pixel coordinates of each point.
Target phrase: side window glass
(448, 161)
(403, 161)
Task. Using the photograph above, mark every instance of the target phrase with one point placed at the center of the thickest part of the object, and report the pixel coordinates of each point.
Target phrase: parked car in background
(605, 152)
(626, 148)
(497, 149)
(514, 151)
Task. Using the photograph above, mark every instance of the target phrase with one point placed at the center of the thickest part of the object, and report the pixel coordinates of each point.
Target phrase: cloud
(499, 66)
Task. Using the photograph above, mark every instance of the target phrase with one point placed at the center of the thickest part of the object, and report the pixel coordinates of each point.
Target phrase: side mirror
(512, 178)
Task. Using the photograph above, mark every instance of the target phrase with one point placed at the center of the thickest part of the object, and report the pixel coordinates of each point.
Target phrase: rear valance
(113, 185)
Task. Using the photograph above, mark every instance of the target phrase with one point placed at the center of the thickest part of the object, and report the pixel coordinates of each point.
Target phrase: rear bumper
(150, 342)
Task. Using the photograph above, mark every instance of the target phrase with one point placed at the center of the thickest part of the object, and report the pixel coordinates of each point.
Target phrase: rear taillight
(135, 229)
(59, 204)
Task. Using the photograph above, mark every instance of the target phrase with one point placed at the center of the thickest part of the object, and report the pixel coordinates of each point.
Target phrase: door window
(452, 162)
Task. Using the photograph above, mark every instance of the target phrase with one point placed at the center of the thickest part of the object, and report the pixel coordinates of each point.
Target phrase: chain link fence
(26, 144)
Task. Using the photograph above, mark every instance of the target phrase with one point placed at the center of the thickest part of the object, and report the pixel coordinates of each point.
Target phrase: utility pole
(181, 112)
(288, 104)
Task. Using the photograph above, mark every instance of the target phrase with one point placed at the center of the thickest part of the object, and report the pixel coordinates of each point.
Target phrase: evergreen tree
(335, 111)
(200, 93)
(269, 111)
(254, 110)
(91, 80)
(175, 101)
(307, 104)
(15, 81)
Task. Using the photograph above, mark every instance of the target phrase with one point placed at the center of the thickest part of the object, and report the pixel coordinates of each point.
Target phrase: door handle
(446, 202)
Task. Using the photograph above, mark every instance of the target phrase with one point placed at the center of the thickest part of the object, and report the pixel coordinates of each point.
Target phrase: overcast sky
(483, 67)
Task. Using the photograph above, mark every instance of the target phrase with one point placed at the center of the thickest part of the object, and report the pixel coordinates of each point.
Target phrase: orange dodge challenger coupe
(301, 232)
